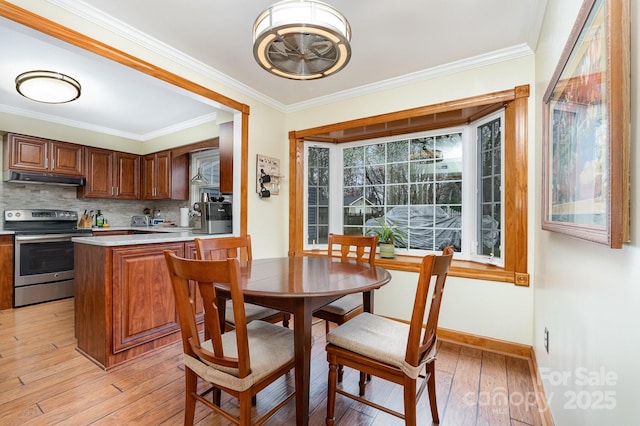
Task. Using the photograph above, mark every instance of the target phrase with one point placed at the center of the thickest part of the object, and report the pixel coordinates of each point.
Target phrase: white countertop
(142, 228)
(164, 235)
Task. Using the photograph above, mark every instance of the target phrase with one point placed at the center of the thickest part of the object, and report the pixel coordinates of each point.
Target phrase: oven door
(43, 259)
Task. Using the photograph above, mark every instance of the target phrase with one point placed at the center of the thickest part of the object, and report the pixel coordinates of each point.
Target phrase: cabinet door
(99, 173)
(27, 153)
(6, 266)
(143, 303)
(148, 177)
(66, 158)
(163, 173)
(127, 176)
(225, 144)
(156, 176)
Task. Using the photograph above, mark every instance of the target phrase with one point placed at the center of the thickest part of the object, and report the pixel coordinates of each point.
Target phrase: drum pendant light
(301, 40)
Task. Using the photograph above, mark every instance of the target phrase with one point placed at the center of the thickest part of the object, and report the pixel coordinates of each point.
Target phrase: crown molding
(115, 26)
(131, 34)
(107, 130)
(418, 77)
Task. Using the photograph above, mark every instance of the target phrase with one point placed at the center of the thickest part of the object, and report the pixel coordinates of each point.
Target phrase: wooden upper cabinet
(225, 145)
(99, 168)
(111, 174)
(165, 176)
(156, 176)
(65, 158)
(127, 175)
(35, 154)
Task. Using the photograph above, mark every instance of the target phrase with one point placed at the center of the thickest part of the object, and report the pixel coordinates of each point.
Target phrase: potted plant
(389, 234)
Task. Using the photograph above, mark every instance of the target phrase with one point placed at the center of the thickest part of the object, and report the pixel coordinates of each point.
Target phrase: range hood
(20, 176)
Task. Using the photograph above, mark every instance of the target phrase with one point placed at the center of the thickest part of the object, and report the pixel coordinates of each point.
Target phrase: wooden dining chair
(393, 350)
(241, 362)
(360, 249)
(237, 248)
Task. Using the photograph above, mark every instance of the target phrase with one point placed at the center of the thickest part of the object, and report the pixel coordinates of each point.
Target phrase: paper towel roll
(184, 216)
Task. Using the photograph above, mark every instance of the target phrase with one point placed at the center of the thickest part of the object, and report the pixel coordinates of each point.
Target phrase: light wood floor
(45, 381)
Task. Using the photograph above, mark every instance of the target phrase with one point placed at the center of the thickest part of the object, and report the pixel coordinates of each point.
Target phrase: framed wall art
(586, 129)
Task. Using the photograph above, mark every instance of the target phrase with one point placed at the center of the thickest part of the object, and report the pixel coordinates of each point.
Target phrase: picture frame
(586, 114)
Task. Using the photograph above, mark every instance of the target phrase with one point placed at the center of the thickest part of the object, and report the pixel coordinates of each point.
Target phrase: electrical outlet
(546, 339)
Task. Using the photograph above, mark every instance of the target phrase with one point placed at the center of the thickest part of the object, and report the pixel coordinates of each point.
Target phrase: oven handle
(46, 238)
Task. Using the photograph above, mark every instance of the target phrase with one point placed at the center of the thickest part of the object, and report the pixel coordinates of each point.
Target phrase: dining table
(301, 286)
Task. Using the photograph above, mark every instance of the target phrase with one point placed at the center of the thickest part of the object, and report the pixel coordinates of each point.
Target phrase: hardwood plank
(447, 357)
(461, 407)
(493, 403)
(522, 395)
(45, 381)
(472, 352)
(444, 381)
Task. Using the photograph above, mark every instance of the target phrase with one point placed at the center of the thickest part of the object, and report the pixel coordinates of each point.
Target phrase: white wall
(587, 295)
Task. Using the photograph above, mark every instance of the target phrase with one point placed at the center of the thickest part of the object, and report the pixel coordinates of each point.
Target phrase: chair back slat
(224, 248)
(360, 244)
(433, 268)
(205, 273)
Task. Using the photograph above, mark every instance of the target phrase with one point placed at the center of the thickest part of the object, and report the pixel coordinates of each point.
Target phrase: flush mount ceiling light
(48, 87)
(301, 39)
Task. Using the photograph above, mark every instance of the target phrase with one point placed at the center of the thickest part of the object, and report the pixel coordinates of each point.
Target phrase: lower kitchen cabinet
(143, 302)
(6, 266)
(124, 301)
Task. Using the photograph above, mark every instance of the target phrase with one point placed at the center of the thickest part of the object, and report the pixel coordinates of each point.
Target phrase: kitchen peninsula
(124, 305)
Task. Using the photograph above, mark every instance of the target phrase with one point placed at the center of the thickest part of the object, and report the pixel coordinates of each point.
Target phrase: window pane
(398, 173)
(397, 151)
(353, 156)
(318, 195)
(422, 171)
(397, 195)
(375, 195)
(353, 176)
(490, 188)
(312, 176)
(375, 154)
(416, 183)
(375, 175)
(422, 194)
(448, 193)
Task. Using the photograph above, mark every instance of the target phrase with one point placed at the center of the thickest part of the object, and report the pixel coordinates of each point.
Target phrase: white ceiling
(392, 43)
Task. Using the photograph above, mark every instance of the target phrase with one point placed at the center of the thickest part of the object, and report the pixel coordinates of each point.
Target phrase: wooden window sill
(459, 268)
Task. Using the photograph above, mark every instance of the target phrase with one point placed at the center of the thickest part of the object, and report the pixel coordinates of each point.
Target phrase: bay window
(441, 188)
(450, 173)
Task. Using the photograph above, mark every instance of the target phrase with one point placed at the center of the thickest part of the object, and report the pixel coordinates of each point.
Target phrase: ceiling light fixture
(49, 87)
(301, 39)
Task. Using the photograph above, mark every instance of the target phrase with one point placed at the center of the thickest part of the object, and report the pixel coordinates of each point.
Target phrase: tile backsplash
(117, 212)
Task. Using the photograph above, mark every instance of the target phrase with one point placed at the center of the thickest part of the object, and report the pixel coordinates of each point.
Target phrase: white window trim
(498, 261)
(307, 145)
(469, 192)
(197, 158)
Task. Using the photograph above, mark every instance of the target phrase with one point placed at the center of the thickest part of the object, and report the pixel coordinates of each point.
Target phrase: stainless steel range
(43, 253)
